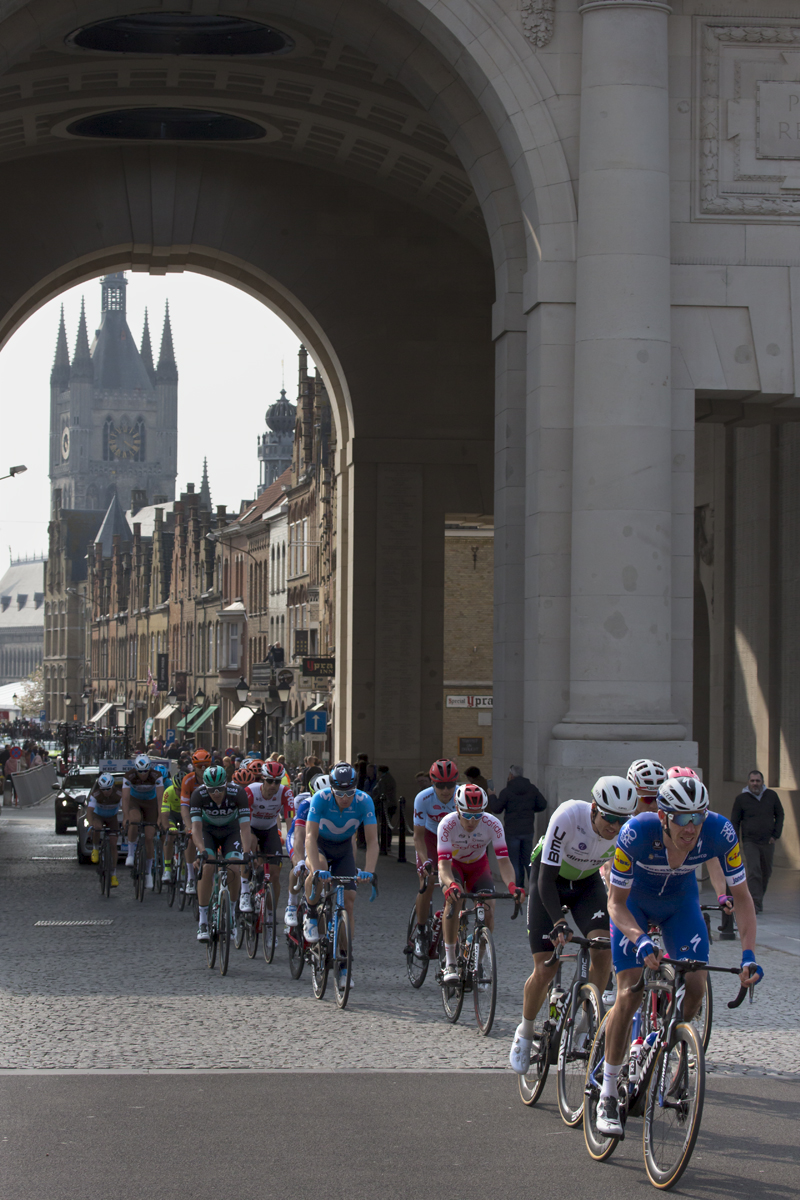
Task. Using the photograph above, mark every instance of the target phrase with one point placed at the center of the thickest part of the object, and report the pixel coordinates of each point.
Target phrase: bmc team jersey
(264, 812)
(429, 809)
(640, 859)
(336, 824)
(233, 806)
(571, 844)
(469, 845)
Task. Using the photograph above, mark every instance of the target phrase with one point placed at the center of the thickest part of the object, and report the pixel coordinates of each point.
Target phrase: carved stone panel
(748, 111)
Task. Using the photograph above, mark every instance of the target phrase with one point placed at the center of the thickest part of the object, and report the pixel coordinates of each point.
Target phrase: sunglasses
(612, 818)
(445, 787)
(687, 818)
(343, 791)
(471, 816)
(216, 791)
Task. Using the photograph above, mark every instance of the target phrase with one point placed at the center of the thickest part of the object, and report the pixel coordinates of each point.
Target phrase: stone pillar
(620, 628)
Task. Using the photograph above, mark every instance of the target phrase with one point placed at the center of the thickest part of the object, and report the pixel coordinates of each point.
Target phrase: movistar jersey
(336, 824)
(571, 844)
(640, 859)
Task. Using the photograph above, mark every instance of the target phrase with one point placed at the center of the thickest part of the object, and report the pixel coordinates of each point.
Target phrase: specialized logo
(696, 940)
(734, 858)
(622, 863)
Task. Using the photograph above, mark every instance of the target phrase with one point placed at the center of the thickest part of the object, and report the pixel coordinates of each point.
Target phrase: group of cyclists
(619, 864)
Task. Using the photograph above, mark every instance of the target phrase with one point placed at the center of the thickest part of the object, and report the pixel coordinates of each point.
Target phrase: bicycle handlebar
(598, 943)
(691, 965)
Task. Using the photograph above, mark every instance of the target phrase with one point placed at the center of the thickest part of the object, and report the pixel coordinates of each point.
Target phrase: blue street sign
(43, 715)
(170, 738)
(316, 721)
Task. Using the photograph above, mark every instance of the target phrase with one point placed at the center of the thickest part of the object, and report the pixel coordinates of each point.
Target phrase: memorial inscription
(778, 119)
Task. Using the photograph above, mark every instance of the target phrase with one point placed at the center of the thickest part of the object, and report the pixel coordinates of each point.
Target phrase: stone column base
(575, 764)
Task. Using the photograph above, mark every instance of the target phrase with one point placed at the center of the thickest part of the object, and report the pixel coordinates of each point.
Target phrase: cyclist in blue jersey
(333, 819)
(296, 846)
(142, 789)
(653, 881)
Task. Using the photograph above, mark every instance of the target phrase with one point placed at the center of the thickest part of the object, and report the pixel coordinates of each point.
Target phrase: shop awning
(190, 716)
(296, 720)
(166, 712)
(101, 712)
(240, 718)
(201, 720)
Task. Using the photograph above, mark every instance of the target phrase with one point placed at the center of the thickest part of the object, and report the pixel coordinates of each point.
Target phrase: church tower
(113, 415)
(275, 447)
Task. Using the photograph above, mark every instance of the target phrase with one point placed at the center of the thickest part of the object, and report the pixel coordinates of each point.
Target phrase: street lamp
(14, 471)
(15, 700)
(284, 691)
(242, 689)
(67, 699)
(199, 696)
(172, 696)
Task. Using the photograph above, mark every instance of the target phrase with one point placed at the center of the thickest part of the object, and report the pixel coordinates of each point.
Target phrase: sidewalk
(779, 924)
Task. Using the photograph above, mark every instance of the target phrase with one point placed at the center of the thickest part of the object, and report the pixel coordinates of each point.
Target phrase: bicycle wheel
(532, 1084)
(319, 968)
(484, 982)
(573, 1053)
(180, 885)
(599, 1146)
(224, 932)
(269, 928)
(238, 926)
(140, 867)
(296, 944)
(417, 967)
(343, 963)
(158, 864)
(674, 1107)
(452, 993)
(211, 945)
(250, 934)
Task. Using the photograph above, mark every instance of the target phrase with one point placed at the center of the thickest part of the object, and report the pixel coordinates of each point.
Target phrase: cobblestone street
(136, 994)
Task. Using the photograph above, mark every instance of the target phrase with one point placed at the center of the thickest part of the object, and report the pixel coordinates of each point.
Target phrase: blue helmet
(343, 778)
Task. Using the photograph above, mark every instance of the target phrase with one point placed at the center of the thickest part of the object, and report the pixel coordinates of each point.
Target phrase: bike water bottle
(634, 1062)
(557, 994)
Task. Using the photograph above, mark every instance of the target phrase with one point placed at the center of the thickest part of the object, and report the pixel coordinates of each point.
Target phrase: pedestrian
(473, 774)
(310, 771)
(385, 793)
(757, 818)
(520, 800)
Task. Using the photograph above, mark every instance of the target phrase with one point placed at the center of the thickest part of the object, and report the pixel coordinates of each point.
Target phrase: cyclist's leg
(190, 853)
(96, 824)
(539, 925)
(134, 817)
(686, 937)
(231, 849)
(205, 884)
(590, 914)
(424, 898)
(271, 844)
(618, 1027)
(149, 810)
(112, 825)
(452, 915)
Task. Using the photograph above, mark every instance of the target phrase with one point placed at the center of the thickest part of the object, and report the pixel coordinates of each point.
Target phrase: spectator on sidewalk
(757, 818)
(384, 794)
(520, 800)
(474, 775)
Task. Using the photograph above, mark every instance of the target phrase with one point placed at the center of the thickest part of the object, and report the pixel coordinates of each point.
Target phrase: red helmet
(272, 771)
(244, 776)
(444, 770)
(682, 773)
(471, 800)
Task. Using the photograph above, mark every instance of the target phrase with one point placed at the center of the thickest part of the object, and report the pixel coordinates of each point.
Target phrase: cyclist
(296, 845)
(462, 842)
(170, 820)
(715, 873)
(103, 808)
(566, 871)
(142, 789)
(653, 881)
(647, 776)
(200, 761)
(220, 813)
(268, 798)
(334, 816)
(430, 806)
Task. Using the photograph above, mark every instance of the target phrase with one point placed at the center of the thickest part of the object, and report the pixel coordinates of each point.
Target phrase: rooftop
(22, 595)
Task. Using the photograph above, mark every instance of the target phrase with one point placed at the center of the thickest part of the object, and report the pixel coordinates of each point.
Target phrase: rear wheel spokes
(343, 964)
(674, 1107)
(573, 1053)
(484, 981)
(599, 1146)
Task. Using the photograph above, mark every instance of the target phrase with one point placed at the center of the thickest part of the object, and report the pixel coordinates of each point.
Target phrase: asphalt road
(353, 1135)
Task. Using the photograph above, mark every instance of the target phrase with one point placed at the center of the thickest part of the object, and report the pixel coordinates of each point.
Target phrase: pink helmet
(682, 773)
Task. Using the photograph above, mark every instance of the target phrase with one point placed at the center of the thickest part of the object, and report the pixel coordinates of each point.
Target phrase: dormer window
(5, 602)
(22, 599)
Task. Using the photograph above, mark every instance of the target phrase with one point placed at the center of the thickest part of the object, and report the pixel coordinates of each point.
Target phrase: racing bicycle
(476, 961)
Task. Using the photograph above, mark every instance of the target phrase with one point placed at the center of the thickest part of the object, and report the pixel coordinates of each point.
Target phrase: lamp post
(14, 471)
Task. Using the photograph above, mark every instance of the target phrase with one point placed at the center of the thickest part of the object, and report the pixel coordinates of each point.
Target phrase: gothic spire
(147, 350)
(82, 358)
(167, 371)
(205, 490)
(60, 373)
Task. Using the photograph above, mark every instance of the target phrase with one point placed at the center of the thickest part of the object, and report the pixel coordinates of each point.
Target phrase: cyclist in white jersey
(269, 799)
(430, 806)
(565, 870)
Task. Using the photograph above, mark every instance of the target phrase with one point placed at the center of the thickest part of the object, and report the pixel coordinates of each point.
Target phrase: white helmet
(683, 795)
(142, 762)
(319, 782)
(471, 800)
(647, 774)
(615, 795)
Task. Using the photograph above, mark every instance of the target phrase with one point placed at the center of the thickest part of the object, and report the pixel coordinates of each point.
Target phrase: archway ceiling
(326, 104)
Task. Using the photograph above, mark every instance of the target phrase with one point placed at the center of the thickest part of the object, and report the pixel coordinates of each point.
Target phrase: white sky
(228, 348)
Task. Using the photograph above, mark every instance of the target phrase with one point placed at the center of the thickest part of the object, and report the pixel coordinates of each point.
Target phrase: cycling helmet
(141, 762)
(215, 777)
(444, 770)
(343, 778)
(682, 773)
(319, 782)
(683, 795)
(272, 772)
(244, 776)
(200, 760)
(647, 775)
(471, 800)
(616, 796)
(105, 782)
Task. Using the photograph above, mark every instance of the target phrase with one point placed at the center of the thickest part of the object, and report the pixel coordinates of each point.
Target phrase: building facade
(21, 618)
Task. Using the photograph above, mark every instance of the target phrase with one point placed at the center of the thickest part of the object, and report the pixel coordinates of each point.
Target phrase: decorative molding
(537, 21)
(717, 193)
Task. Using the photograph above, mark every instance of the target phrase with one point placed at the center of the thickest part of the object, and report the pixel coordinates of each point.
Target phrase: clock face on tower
(124, 440)
(65, 443)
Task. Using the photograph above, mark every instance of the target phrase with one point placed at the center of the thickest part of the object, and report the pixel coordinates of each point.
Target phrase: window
(304, 547)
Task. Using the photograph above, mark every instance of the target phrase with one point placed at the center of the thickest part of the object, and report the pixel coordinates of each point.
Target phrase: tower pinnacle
(82, 367)
(59, 376)
(147, 350)
(167, 370)
(205, 489)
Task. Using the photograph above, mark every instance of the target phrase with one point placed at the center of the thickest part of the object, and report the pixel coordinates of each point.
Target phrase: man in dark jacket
(757, 818)
(520, 800)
